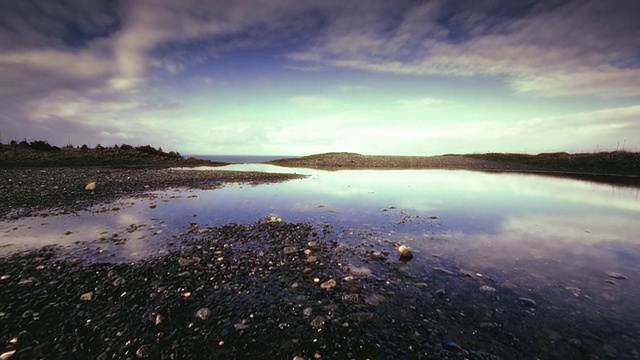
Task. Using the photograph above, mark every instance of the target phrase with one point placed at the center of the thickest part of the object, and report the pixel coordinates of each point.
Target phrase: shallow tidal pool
(566, 249)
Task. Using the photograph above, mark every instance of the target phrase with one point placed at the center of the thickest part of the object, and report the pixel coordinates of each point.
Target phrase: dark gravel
(24, 191)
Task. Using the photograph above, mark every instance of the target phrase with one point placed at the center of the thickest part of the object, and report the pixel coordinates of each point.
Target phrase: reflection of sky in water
(517, 226)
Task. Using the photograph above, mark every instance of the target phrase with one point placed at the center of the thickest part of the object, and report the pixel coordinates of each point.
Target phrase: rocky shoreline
(271, 289)
(24, 191)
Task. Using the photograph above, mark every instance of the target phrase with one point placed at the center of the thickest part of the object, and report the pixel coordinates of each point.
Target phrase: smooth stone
(185, 262)
(328, 284)
(359, 271)
(450, 345)
(7, 354)
(616, 275)
(288, 250)
(203, 313)
(88, 296)
(145, 351)
(443, 271)
(528, 302)
(487, 288)
(91, 186)
(440, 292)
(318, 322)
(312, 259)
(405, 253)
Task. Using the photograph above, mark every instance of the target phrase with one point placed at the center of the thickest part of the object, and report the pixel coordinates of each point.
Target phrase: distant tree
(99, 147)
(115, 146)
(84, 147)
(24, 143)
(42, 146)
(13, 142)
(126, 147)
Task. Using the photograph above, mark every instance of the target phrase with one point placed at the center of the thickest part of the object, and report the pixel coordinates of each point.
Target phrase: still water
(551, 239)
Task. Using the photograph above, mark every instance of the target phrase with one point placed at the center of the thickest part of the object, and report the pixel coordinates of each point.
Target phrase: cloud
(577, 48)
(425, 104)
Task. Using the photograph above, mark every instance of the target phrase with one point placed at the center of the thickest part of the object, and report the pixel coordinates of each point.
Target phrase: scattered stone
(145, 351)
(352, 287)
(312, 259)
(7, 355)
(203, 313)
(487, 288)
(240, 326)
(377, 255)
(528, 302)
(91, 186)
(443, 271)
(88, 296)
(359, 271)
(440, 292)
(351, 298)
(616, 275)
(405, 253)
(318, 322)
(329, 284)
(182, 261)
(374, 299)
(609, 281)
(341, 248)
(288, 250)
(451, 346)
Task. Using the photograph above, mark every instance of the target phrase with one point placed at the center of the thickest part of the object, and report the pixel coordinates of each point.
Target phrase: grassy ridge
(603, 163)
(25, 155)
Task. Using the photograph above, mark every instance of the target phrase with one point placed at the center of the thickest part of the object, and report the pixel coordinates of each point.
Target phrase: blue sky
(295, 77)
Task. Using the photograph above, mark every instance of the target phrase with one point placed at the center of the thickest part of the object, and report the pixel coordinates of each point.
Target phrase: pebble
(182, 261)
(440, 292)
(318, 322)
(405, 253)
(91, 186)
(616, 275)
(203, 313)
(450, 345)
(88, 296)
(528, 302)
(145, 351)
(443, 271)
(487, 288)
(359, 271)
(329, 284)
(7, 354)
(312, 259)
(288, 250)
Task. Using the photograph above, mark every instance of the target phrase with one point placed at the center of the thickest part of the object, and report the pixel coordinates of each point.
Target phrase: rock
(312, 259)
(352, 287)
(185, 262)
(405, 253)
(318, 322)
(341, 248)
(329, 284)
(288, 250)
(374, 299)
(443, 271)
(88, 296)
(359, 271)
(487, 288)
(528, 302)
(7, 354)
(351, 298)
(240, 326)
(145, 351)
(203, 313)
(451, 346)
(440, 292)
(91, 186)
(616, 275)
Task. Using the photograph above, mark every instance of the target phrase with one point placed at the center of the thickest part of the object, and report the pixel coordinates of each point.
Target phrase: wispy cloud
(312, 101)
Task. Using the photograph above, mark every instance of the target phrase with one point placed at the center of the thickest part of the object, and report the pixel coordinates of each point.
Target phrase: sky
(298, 77)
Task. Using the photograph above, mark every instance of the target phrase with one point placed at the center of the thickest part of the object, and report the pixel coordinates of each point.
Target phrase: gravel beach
(24, 191)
